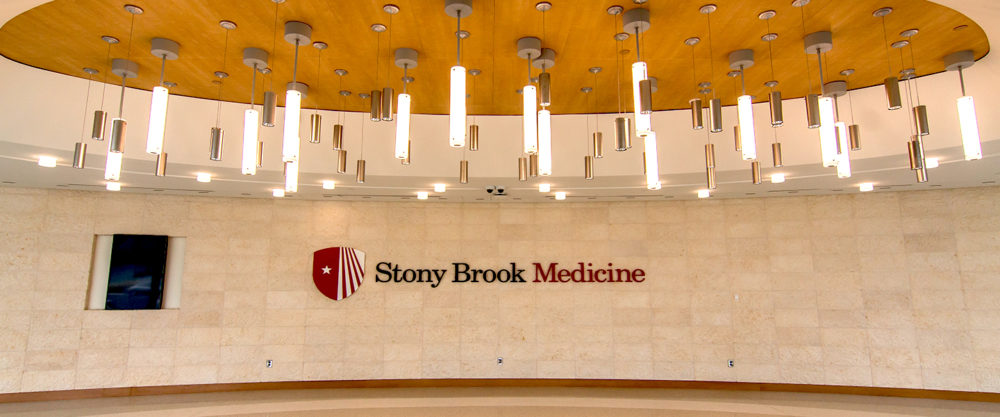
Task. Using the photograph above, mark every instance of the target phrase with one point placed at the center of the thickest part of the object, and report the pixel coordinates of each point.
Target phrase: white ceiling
(42, 113)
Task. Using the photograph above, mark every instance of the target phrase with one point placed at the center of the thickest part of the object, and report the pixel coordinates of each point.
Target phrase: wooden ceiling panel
(64, 36)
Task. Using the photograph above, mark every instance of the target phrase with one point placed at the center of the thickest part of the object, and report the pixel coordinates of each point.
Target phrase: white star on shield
(326, 270)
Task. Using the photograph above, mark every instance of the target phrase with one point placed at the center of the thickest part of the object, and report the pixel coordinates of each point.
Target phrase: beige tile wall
(881, 289)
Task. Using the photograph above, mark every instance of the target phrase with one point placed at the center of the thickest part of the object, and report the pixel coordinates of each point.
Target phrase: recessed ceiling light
(544, 188)
(114, 186)
(47, 161)
(421, 195)
(203, 177)
(329, 184)
(440, 188)
(932, 162)
(704, 194)
(777, 178)
(560, 195)
(866, 187)
(278, 192)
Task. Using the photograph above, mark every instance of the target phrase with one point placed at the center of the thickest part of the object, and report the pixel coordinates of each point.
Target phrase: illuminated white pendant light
(125, 69)
(651, 159)
(971, 141)
(843, 148)
(406, 58)
(291, 176)
(544, 142)
(529, 48)
(113, 166)
(819, 43)
(164, 49)
(456, 116)
(254, 58)
(634, 22)
(739, 61)
(296, 33)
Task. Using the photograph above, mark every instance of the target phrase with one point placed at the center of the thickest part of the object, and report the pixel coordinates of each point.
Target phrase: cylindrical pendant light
(342, 161)
(530, 119)
(854, 133)
(405, 58)
(338, 137)
(920, 120)
(545, 89)
(375, 112)
(100, 123)
(818, 43)
(260, 154)
(113, 166)
(164, 49)
(296, 33)
(843, 151)
(361, 171)
(971, 142)
(597, 145)
(634, 22)
(623, 134)
(463, 171)
(125, 69)
(457, 111)
(406, 161)
(893, 99)
(215, 144)
(588, 167)
(919, 150)
(777, 114)
(386, 109)
(709, 155)
(269, 109)
(522, 169)
(544, 142)
(161, 165)
(914, 154)
(741, 60)
(697, 115)
(80, 155)
(710, 178)
(736, 139)
(315, 127)
(256, 59)
(755, 171)
(473, 137)
(776, 155)
(100, 116)
(291, 176)
(651, 162)
(533, 165)
(812, 111)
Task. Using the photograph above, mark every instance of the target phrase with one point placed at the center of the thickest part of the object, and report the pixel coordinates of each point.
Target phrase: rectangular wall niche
(136, 272)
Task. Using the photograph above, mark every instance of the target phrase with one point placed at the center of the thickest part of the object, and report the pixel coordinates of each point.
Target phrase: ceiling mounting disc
(110, 39)
(546, 61)
(615, 10)
(390, 8)
(340, 72)
(463, 34)
(635, 21)
(733, 74)
(278, 1)
(529, 47)
(456, 8)
(407, 79)
(959, 60)
(131, 8)
(169, 84)
(265, 70)
(704, 84)
(543, 6)
(320, 45)
(800, 3)
(586, 89)
(705, 91)
(769, 37)
(90, 71)
(835, 89)
(227, 24)
(771, 84)
(124, 68)
(708, 9)
(847, 72)
(767, 15)
(345, 93)
(595, 70)
(406, 57)
(818, 42)
(909, 33)
(883, 12)
(255, 57)
(474, 72)
(908, 71)
(741, 59)
(221, 74)
(165, 48)
(692, 41)
(621, 36)
(900, 44)
(378, 27)
(364, 95)
(298, 32)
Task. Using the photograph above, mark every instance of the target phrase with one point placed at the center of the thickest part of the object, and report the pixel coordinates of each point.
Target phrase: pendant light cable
(274, 45)
(340, 115)
(86, 102)
(711, 53)
(218, 109)
(618, 69)
(770, 50)
(802, 12)
(319, 78)
(128, 55)
(885, 40)
(107, 70)
(913, 63)
(909, 98)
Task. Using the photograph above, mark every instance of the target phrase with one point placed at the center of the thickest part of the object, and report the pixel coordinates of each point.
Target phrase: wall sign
(461, 273)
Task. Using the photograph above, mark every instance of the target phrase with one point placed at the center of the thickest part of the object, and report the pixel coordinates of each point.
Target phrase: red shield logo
(338, 272)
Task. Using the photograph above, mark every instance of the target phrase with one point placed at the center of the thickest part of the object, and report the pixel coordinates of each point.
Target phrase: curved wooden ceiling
(64, 36)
